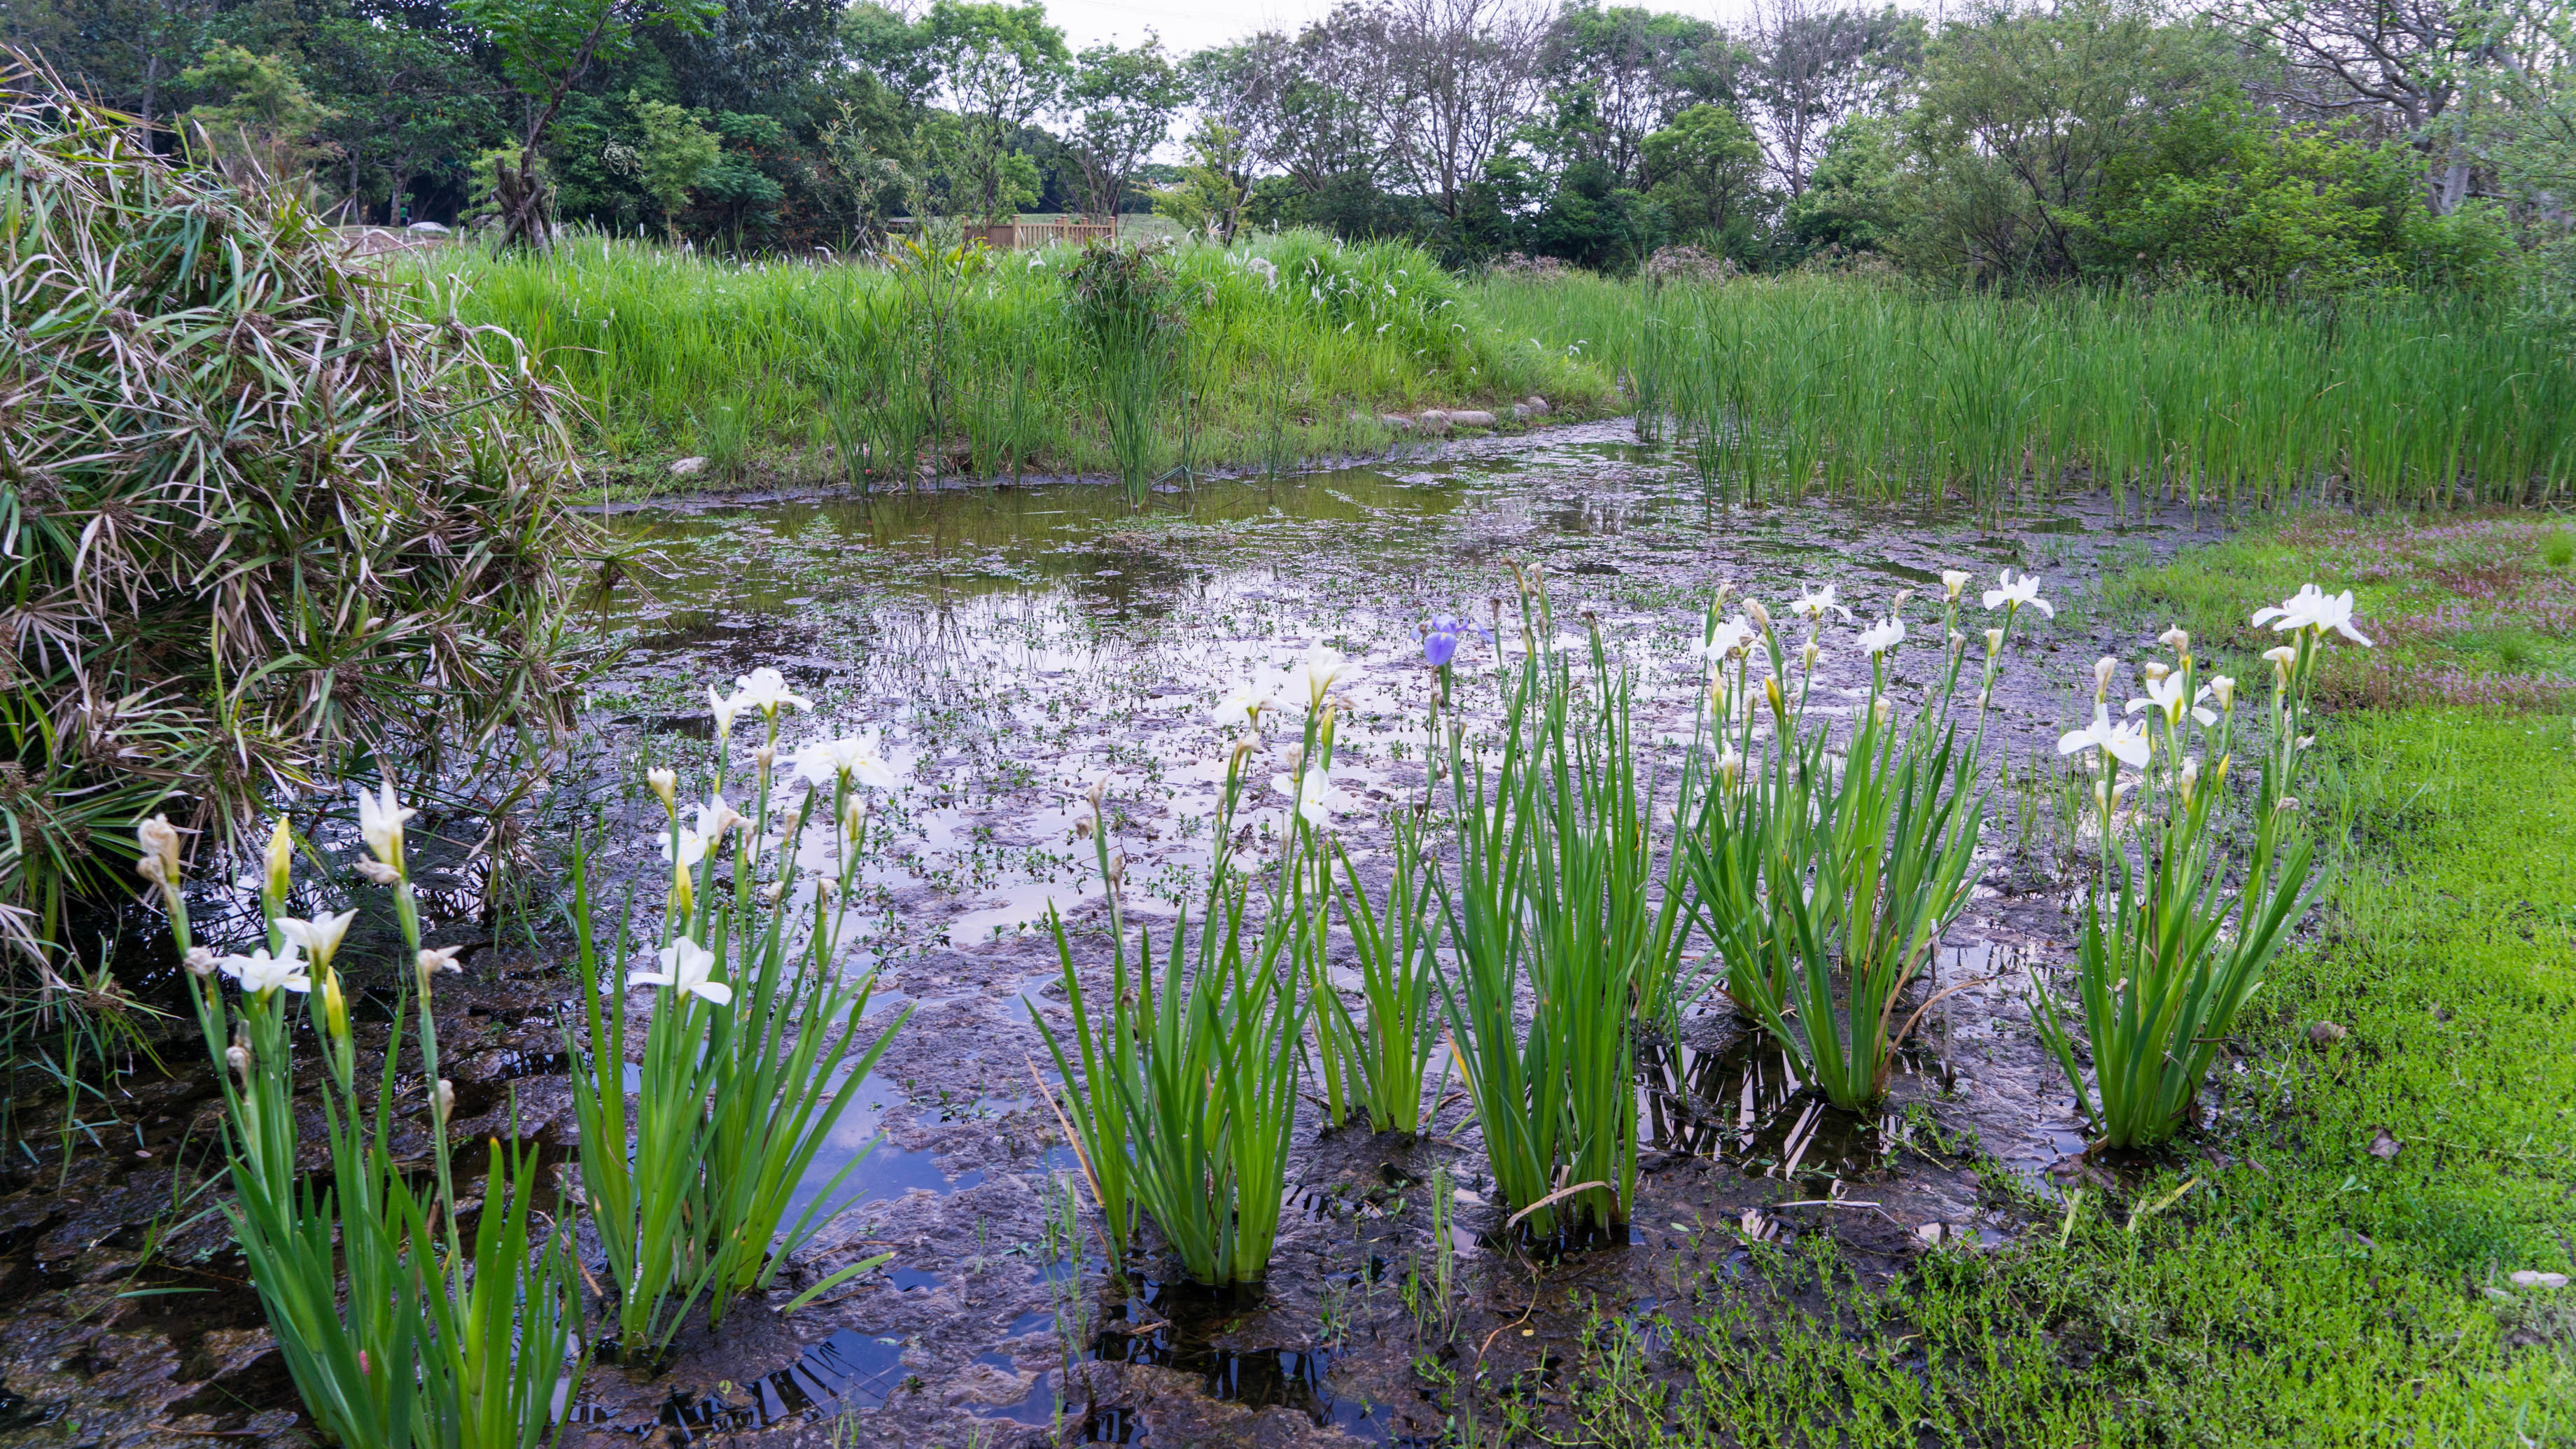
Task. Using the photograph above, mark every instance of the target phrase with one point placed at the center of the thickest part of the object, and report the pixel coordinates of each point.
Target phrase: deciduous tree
(1122, 102)
(547, 47)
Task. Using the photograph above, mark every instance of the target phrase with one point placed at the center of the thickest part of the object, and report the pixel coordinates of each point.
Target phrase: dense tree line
(2267, 145)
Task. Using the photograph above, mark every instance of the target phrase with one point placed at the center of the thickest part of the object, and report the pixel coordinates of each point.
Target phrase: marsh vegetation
(1753, 845)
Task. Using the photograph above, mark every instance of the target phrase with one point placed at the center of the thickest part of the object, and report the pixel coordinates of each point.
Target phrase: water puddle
(1179, 1326)
(1745, 1104)
(1011, 647)
(846, 1373)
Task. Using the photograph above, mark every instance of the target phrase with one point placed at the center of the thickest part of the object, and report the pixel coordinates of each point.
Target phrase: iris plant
(753, 1048)
(396, 1332)
(2176, 933)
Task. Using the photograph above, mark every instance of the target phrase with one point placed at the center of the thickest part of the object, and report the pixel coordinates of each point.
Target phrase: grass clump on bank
(2334, 1260)
(983, 363)
(1873, 389)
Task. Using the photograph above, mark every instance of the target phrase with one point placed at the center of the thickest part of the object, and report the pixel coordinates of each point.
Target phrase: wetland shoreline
(1012, 646)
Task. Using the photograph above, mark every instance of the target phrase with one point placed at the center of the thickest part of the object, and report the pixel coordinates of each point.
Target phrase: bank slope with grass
(983, 364)
(2364, 1246)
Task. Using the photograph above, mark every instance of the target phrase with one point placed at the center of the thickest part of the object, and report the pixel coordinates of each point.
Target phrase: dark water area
(1008, 648)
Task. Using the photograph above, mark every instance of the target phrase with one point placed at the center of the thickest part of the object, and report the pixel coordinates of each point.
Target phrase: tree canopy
(2260, 145)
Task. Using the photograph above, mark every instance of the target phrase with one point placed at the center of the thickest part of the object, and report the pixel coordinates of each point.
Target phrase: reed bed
(1883, 391)
(980, 362)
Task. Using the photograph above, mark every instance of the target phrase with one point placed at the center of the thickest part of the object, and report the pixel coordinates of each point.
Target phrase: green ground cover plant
(1866, 388)
(2478, 609)
(2335, 1259)
(967, 360)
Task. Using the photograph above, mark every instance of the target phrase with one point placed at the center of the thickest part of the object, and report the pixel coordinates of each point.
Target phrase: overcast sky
(1188, 25)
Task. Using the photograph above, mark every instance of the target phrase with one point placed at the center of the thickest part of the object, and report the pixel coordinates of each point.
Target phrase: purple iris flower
(1440, 645)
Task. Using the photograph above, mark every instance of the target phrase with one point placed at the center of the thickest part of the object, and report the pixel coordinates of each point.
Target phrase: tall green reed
(1125, 301)
(2420, 399)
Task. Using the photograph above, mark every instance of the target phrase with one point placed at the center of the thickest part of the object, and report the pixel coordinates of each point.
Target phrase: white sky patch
(1187, 25)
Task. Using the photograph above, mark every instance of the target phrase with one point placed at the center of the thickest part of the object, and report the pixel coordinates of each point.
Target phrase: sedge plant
(2177, 931)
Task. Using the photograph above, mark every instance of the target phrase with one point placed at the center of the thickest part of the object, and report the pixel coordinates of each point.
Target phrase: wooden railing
(1017, 234)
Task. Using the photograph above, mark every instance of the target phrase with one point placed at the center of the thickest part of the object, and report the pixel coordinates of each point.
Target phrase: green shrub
(2231, 196)
(258, 522)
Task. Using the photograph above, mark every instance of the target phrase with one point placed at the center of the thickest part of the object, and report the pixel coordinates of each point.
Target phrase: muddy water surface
(1010, 649)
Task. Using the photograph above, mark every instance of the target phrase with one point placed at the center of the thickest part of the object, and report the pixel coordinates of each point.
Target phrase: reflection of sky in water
(1014, 645)
(1011, 647)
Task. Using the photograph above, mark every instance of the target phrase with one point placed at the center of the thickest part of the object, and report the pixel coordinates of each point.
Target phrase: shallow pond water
(1010, 648)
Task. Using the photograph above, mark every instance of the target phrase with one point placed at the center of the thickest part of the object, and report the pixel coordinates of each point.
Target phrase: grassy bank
(985, 367)
(1884, 390)
(2341, 1269)
(2475, 610)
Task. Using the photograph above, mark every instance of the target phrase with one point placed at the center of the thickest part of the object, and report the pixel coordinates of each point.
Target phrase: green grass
(2465, 611)
(2306, 1290)
(984, 368)
(1875, 389)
